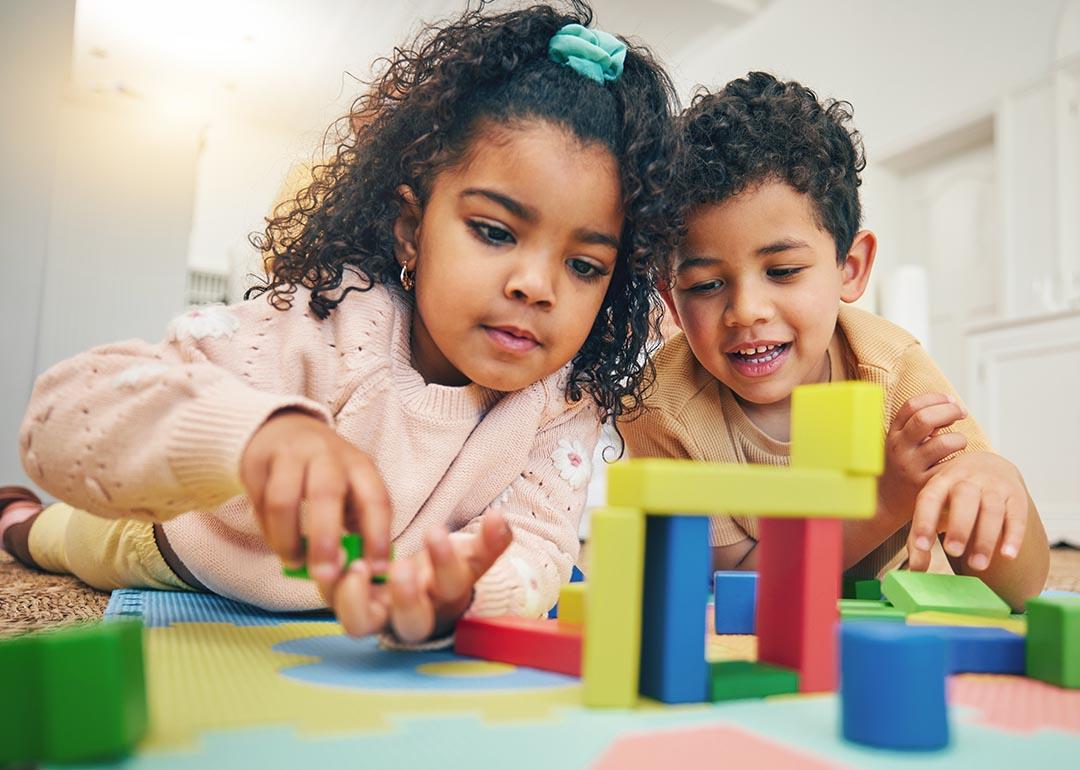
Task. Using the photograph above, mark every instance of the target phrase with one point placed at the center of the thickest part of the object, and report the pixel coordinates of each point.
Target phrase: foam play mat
(230, 685)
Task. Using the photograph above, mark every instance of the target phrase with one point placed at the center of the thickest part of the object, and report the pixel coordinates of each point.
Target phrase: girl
(452, 307)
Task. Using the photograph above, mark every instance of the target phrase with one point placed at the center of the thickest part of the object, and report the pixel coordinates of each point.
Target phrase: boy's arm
(736, 556)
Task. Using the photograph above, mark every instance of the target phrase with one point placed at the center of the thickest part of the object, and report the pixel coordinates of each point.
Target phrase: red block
(799, 567)
(543, 644)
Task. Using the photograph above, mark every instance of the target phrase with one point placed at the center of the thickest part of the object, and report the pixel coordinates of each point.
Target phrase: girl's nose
(532, 280)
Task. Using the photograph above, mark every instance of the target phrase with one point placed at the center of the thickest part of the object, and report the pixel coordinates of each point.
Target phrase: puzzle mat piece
(160, 608)
(1017, 704)
(573, 738)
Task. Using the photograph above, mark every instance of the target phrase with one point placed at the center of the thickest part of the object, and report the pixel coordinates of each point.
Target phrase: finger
(451, 576)
(371, 506)
(325, 489)
(412, 615)
(281, 509)
(937, 448)
(916, 403)
(254, 475)
(964, 502)
(495, 537)
(929, 504)
(924, 422)
(358, 610)
(987, 531)
(1016, 516)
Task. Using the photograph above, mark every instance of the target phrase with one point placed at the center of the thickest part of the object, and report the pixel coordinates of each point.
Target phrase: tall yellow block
(572, 604)
(612, 647)
(838, 426)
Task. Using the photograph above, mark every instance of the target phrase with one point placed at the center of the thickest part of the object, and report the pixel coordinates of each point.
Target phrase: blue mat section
(161, 608)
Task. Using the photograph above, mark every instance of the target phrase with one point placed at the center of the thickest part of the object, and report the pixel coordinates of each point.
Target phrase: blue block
(978, 650)
(673, 667)
(734, 599)
(892, 686)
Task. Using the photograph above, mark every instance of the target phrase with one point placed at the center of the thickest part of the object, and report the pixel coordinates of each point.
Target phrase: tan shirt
(690, 414)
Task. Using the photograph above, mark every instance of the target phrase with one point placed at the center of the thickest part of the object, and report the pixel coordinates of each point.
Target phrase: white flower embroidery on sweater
(136, 375)
(572, 462)
(214, 321)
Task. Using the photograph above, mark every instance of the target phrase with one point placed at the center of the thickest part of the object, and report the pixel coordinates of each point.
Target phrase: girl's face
(513, 254)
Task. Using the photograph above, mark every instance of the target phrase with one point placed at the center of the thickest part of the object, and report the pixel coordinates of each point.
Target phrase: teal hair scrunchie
(589, 52)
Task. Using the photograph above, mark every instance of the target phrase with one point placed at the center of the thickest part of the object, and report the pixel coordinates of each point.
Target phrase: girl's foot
(18, 507)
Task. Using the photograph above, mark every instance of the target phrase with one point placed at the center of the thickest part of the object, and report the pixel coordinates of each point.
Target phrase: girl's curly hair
(759, 128)
(420, 116)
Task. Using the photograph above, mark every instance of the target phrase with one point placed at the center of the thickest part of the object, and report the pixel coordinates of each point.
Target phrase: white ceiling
(288, 62)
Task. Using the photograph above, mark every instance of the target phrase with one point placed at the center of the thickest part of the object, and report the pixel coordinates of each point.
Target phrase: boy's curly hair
(759, 129)
(432, 98)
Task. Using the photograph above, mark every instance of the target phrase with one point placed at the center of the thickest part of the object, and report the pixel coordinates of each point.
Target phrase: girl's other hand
(294, 457)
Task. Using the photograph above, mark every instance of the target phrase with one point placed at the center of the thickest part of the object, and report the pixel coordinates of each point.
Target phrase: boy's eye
(783, 272)
(491, 233)
(706, 286)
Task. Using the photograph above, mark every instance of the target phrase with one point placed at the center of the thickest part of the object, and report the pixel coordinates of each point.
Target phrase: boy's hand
(294, 457)
(426, 593)
(977, 500)
(913, 448)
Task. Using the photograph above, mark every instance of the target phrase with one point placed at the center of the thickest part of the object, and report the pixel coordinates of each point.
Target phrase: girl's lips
(510, 342)
(774, 359)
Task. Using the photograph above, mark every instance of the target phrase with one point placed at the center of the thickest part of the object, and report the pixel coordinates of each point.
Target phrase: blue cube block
(734, 600)
(892, 686)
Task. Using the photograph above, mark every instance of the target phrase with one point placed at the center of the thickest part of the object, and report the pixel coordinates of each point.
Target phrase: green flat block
(353, 544)
(924, 591)
(869, 609)
(861, 589)
(737, 679)
(81, 694)
(1053, 640)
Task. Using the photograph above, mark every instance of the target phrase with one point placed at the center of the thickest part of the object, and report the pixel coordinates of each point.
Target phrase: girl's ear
(855, 272)
(407, 228)
(669, 301)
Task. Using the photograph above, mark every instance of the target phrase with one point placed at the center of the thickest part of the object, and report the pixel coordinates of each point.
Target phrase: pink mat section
(1017, 704)
(705, 748)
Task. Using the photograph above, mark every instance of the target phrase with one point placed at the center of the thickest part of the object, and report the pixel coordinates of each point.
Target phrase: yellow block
(691, 487)
(612, 645)
(934, 618)
(572, 604)
(838, 426)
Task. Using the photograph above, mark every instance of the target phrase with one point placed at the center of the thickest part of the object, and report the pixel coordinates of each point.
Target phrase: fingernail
(979, 562)
(1009, 550)
(379, 566)
(922, 543)
(954, 547)
(952, 399)
(323, 572)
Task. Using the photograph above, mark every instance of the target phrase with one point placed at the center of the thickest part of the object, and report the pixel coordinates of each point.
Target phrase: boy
(769, 189)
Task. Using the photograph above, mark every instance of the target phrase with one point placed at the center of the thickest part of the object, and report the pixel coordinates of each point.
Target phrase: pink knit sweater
(156, 432)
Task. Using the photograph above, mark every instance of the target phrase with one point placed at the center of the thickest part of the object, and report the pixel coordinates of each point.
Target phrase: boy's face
(758, 288)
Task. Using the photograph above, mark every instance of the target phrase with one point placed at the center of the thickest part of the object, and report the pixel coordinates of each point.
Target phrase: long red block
(543, 644)
(799, 569)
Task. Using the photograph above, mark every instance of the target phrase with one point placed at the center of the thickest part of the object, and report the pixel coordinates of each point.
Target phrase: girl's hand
(426, 593)
(913, 449)
(977, 500)
(294, 457)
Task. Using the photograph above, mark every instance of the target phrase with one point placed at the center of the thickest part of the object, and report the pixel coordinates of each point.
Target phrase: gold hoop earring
(407, 278)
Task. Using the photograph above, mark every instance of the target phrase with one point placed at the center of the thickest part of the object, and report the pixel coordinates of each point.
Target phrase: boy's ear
(407, 228)
(665, 294)
(855, 272)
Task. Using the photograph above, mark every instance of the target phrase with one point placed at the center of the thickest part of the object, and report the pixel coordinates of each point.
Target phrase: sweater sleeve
(543, 507)
(151, 431)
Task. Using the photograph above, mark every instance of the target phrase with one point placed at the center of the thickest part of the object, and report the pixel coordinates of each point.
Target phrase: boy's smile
(758, 288)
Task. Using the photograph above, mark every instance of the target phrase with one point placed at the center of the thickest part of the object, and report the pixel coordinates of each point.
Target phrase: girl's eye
(491, 233)
(585, 269)
(783, 272)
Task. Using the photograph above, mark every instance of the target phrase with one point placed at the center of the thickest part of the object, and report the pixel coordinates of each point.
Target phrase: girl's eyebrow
(692, 262)
(515, 207)
(597, 237)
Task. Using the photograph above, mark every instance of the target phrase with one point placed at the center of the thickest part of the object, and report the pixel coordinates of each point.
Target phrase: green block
(869, 609)
(1053, 640)
(861, 589)
(736, 679)
(354, 549)
(81, 693)
(925, 591)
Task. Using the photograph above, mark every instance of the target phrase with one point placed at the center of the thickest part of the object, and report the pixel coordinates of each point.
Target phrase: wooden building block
(612, 647)
(572, 604)
(1053, 640)
(737, 679)
(685, 487)
(798, 588)
(839, 426)
(1016, 625)
(922, 591)
(869, 609)
(855, 588)
(734, 602)
(545, 644)
(677, 557)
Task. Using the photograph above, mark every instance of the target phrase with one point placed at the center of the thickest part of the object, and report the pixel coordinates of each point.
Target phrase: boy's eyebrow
(784, 244)
(515, 207)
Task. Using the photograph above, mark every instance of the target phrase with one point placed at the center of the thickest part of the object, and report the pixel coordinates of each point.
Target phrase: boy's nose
(531, 280)
(747, 307)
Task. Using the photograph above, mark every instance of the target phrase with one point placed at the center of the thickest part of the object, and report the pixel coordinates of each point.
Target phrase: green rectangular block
(1053, 640)
(923, 591)
(856, 588)
(353, 544)
(737, 679)
(869, 609)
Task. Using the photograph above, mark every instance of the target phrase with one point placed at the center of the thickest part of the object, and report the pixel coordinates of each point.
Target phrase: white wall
(35, 56)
